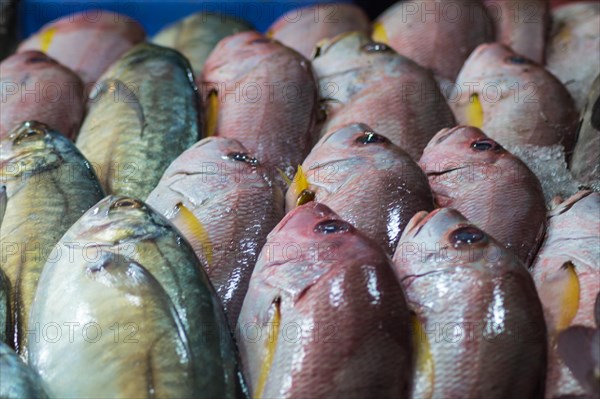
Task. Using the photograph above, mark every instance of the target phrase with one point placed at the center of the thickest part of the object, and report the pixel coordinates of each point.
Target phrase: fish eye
(332, 227)
(517, 60)
(242, 157)
(29, 131)
(486, 145)
(305, 196)
(371, 138)
(375, 47)
(127, 203)
(467, 235)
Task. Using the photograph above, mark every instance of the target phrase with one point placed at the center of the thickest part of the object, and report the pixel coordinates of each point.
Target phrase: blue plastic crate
(155, 14)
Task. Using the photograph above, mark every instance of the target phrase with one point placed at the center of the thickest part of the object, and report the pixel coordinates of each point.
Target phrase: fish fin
(271, 346)
(300, 182)
(424, 365)
(269, 34)
(475, 112)
(212, 113)
(191, 227)
(560, 293)
(379, 34)
(46, 39)
(286, 179)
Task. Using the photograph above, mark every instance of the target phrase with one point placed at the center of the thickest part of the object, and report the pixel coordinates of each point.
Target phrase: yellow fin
(284, 176)
(379, 33)
(188, 223)
(273, 333)
(569, 297)
(46, 39)
(475, 112)
(212, 113)
(300, 182)
(424, 359)
(269, 34)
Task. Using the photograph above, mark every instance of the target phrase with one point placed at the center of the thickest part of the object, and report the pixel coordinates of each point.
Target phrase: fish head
(356, 139)
(222, 149)
(318, 237)
(30, 59)
(499, 61)
(31, 146)
(459, 147)
(445, 238)
(117, 219)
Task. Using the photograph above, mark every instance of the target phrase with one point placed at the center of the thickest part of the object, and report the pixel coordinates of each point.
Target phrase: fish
(87, 42)
(368, 82)
(575, 36)
(437, 35)
(49, 185)
(5, 327)
(584, 163)
(473, 174)
(265, 96)
(482, 331)
(151, 358)
(18, 380)
(522, 25)
(566, 272)
(34, 86)
(131, 133)
(304, 27)
(367, 180)
(324, 316)
(196, 35)
(514, 100)
(122, 240)
(224, 203)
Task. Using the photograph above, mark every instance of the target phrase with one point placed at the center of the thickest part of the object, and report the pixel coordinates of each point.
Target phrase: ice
(550, 166)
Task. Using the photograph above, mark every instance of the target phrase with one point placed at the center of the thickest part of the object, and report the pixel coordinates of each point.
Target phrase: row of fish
(298, 252)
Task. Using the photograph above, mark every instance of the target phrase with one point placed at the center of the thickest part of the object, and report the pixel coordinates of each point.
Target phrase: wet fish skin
(236, 203)
(522, 25)
(575, 35)
(49, 185)
(435, 35)
(572, 237)
(368, 82)
(148, 356)
(130, 132)
(276, 126)
(584, 163)
(473, 174)
(18, 380)
(457, 276)
(34, 86)
(303, 28)
(367, 181)
(87, 42)
(341, 282)
(197, 35)
(125, 227)
(514, 91)
(5, 327)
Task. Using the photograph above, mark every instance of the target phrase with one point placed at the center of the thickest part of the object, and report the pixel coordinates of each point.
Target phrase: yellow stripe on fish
(570, 296)
(379, 33)
(46, 39)
(475, 112)
(189, 224)
(212, 113)
(424, 359)
(271, 346)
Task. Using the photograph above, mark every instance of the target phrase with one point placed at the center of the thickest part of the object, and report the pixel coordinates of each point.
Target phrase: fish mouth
(420, 220)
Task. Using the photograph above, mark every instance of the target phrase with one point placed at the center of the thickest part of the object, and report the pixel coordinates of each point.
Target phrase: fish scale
(132, 148)
(42, 204)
